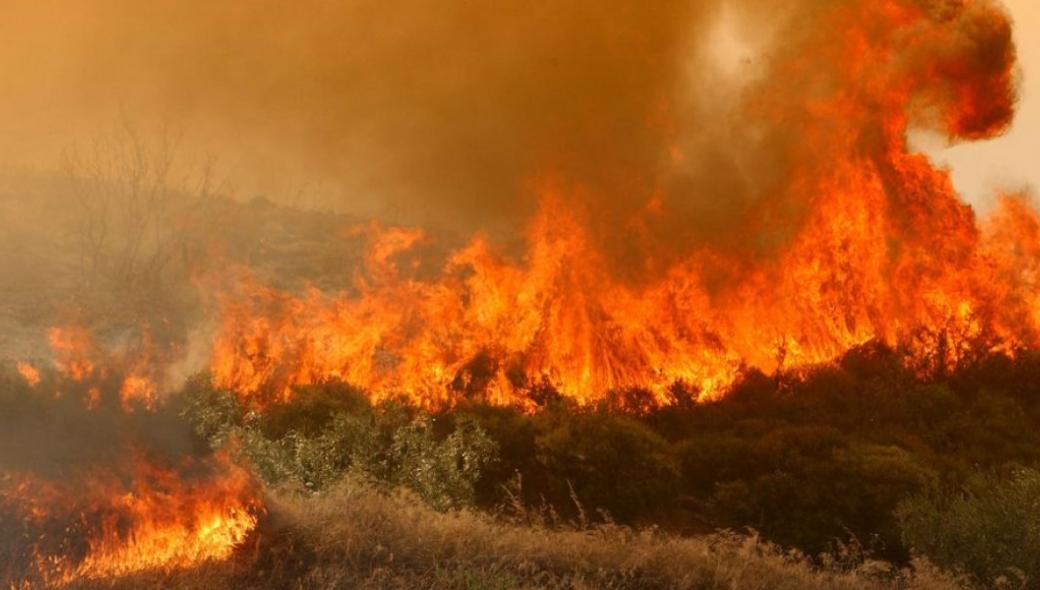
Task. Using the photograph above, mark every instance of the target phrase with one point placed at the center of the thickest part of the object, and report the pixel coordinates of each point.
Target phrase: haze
(422, 113)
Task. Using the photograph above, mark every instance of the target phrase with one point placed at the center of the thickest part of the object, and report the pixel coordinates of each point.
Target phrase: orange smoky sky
(445, 108)
(419, 110)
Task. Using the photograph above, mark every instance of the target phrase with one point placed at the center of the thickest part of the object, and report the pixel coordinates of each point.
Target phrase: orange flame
(142, 512)
(150, 519)
(80, 358)
(29, 373)
(73, 348)
(558, 317)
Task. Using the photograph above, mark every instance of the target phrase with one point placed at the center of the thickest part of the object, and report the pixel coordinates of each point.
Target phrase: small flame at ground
(104, 524)
(129, 509)
(29, 373)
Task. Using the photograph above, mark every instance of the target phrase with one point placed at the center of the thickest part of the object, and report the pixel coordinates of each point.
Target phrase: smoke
(458, 114)
(430, 112)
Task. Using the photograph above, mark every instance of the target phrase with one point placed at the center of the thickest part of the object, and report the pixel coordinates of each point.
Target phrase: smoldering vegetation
(105, 264)
(126, 238)
(83, 472)
(47, 431)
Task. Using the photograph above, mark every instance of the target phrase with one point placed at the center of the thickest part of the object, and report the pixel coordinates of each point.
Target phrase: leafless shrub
(129, 197)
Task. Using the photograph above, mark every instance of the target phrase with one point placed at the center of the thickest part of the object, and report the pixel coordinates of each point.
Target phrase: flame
(106, 523)
(81, 359)
(146, 510)
(73, 349)
(486, 324)
(884, 251)
(29, 373)
(137, 389)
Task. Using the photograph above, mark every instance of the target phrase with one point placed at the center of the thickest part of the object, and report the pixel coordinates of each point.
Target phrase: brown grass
(354, 537)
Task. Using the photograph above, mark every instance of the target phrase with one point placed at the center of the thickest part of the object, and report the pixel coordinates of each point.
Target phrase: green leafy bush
(329, 431)
(442, 472)
(611, 462)
(989, 527)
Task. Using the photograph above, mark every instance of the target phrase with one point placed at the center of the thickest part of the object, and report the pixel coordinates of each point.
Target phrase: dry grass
(356, 538)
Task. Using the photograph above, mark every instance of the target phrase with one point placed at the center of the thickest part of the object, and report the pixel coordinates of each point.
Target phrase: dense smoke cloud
(456, 114)
(431, 111)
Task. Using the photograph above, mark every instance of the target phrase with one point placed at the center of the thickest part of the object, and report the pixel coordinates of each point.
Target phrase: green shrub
(804, 458)
(212, 413)
(316, 461)
(811, 498)
(442, 472)
(989, 527)
(330, 430)
(612, 462)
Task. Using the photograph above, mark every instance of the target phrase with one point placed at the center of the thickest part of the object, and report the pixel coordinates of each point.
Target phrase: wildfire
(81, 359)
(860, 240)
(104, 523)
(130, 507)
(883, 250)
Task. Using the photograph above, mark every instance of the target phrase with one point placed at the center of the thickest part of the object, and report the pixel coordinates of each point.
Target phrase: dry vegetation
(355, 537)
